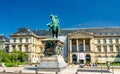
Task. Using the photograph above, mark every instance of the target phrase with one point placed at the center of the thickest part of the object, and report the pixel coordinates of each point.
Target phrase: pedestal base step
(51, 69)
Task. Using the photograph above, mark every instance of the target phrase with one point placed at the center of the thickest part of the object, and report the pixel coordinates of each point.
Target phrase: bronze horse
(54, 26)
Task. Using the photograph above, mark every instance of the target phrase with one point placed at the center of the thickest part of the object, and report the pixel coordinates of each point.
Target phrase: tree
(13, 57)
(4, 56)
(22, 56)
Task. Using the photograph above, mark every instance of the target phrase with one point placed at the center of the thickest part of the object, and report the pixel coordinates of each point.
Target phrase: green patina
(54, 26)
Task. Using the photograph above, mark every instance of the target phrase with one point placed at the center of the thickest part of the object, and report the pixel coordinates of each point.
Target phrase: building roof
(49, 33)
(23, 30)
(3, 38)
(104, 31)
(95, 31)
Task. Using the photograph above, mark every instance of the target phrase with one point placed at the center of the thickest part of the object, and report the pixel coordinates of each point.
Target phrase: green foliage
(10, 64)
(14, 58)
(22, 56)
(112, 63)
(115, 63)
(18, 56)
(14, 64)
(4, 57)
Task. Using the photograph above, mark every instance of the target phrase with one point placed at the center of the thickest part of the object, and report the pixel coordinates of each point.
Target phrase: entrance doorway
(88, 58)
(74, 59)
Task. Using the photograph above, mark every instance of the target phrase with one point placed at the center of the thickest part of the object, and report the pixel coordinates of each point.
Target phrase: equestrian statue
(54, 26)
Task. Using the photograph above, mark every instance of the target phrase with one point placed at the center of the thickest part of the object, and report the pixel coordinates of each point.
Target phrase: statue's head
(51, 16)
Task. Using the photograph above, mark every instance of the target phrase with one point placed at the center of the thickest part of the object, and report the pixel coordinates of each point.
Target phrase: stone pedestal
(52, 59)
(53, 63)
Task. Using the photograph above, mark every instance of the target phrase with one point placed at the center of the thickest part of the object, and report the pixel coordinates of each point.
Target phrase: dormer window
(14, 40)
(20, 40)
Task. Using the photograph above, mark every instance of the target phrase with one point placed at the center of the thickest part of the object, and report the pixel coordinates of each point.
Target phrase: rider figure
(54, 25)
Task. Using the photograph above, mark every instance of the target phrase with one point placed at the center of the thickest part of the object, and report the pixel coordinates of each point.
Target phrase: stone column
(17, 47)
(23, 48)
(84, 44)
(77, 44)
(93, 58)
(84, 48)
(114, 48)
(10, 48)
(70, 45)
(91, 45)
(70, 50)
(77, 48)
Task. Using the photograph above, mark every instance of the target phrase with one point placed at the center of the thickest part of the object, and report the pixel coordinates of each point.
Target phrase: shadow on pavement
(30, 68)
(17, 73)
(89, 70)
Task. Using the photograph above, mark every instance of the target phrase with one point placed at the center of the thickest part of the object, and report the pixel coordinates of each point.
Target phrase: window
(99, 56)
(20, 40)
(27, 39)
(99, 49)
(116, 33)
(117, 48)
(117, 40)
(14, 40)
(20, 48)
(26, 48)
(105, 48)
(98, 41)
(109, 33)
(33, 40)
(111, 48)
(104, 41)
(74, 48)
(81, 48)
(97, 33)
(110, 41)
(13, 47)
(112, 56)
(104, 33)
(87, 48)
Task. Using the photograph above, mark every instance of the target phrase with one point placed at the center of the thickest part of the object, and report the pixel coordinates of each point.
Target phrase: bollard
(20, 71)
(36, 71)
(101, 69)
(56, 72)
(112, 70)
(76, 72)
(4, 71)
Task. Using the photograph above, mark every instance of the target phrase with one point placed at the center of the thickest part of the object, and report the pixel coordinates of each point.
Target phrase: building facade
(94, 46)
(4, 43)
(81, 47)
(25, 40)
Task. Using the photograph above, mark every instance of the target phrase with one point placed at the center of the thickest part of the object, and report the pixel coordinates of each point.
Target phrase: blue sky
(35, 14)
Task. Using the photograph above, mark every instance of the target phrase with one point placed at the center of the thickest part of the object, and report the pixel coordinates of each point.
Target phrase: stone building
(25, 40)
(4, 43)
(95, 45)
